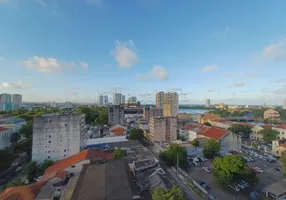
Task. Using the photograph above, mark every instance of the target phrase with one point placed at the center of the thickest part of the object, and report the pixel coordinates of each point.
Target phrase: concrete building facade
(117, 97)
(169, 102)
(149, 112)
(100, 100)
(123, 99)
(208, 103)
(56, 137)
(163, 129)
(16, 99)
(105, 100)
(115, 115)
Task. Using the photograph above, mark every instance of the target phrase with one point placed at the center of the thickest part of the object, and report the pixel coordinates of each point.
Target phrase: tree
(6, 159)
(32, 170)
(181, 137)
(46, 164)
(136, 134)
(175, 193)
(240, 129)
(283, 159)
(171, 154)
(196, 142)
(23, 146)
(207, 124)
(15, 183)
(14, 137)
(269, 134)
(118, 154)
(232, 168)
(211, 147)
(27, 130)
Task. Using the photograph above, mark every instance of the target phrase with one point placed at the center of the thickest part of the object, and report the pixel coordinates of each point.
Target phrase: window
(50, 136)
(49, 157)
(49, 151)
(66, 125)
(65, 150)
(49, 141)
(64, 155)
(73, 166)
(50, 121)
(277, 152)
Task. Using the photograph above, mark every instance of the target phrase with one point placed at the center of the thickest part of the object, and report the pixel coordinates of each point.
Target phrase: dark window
(49, 141)
(64, 155)
(277, 152)
(50, 121)
(50, 136)
(49, 157)
(73, 166)
(66, 125)
(49, 151)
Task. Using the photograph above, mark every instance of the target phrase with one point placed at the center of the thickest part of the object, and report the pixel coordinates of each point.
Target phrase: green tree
(23, 146)
(181, 137)
(118, 154)
(172, 153)
(240, 129)
(136, 134)
(27, 130)
(269, 134)
(14, 137)
(232, 168)
(207, 124)
(6, 159)
(283, 160)
(32, 170)
(45, 165)
(15, 183)
(211, 148)
(196, 142)
(175, 193)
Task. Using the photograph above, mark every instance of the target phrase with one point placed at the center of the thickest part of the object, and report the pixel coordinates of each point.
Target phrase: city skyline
(74, 51)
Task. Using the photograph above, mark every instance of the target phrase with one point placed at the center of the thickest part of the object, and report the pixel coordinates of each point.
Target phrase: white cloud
(94, 2)
(239, 84)
(275, 51)
(18, 84)
(281, 80)
(3, 1)
(46, 65)
(84, 64)
(125, 54)
(42, 3)
(2, 58)
(157, 72)
(226, 30)
(209, 68)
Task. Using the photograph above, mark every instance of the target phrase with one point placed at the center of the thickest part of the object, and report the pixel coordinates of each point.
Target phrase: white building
(282, 131)
(17, 99)
(56, 137)
(105, 100)
(117, 97)
(100, 100)
(208, 103)
(115, 115)
(123, 99)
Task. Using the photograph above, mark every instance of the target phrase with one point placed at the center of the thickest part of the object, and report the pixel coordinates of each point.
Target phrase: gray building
(56, 137)
(100, 100)
(208, 103)
(117, 98)
(123, 99)
(116, 115)
(105, 100)
(5, 98)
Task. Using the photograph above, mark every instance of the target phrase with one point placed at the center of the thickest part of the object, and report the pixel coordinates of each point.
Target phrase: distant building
(160, 100)
(169, 102)
(117, 97)
(68, 105)
(149, 112)
(105, 100)
(208, 103)
(271, 114)
(100, 100)
(170, 109)
(17, 99)
(278, 147)
(163, 128)
(132, 100)
(123, 99)
(56, 137)
(284, 107)
(115, 115)
(185, 116)
(5, 98)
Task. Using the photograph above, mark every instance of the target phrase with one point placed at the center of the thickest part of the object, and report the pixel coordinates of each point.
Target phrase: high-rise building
(149, 112)
(56, 137)
(208, 103)
(170, 109)
(284, 104)
(116, 115)
(5, 98)
(132, 100)
(117, 97)
(17, 99)
(123, 99)
(68, 104)
(160, 100)
(100, 100)
(163, 128)
(105, 100)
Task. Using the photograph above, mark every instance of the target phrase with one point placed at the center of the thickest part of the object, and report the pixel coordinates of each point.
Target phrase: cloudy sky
(72, 50)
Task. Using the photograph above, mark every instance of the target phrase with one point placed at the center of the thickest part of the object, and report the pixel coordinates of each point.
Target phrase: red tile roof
(191, 127)
(282, 126)
(29, 192)
(203, 129)
(215, 133)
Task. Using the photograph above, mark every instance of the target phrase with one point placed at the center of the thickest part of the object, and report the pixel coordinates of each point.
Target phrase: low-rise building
(278, 146)
(115, 115)
(208, 118)
(255, 134)
(276, 190)
(163, 128)
(282, 131)
(185, 117)
(271, 114)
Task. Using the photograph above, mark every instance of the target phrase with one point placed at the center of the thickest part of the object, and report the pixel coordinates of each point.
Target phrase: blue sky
(72, 50)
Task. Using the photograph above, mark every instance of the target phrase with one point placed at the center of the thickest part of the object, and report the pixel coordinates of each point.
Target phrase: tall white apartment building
(56, 137)
(105, 100)
(100, 100)
(123, 99)
(208, 103)
(117, 97)
(16, 99)
(160, 100)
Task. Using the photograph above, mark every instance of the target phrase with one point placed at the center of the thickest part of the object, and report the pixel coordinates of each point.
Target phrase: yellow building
(278, 146)
(208, 118)
(184, 116)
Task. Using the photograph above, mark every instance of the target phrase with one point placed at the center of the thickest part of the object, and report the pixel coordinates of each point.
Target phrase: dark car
(205, 186)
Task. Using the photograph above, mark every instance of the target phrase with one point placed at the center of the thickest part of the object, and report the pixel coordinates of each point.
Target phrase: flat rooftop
(277, 188)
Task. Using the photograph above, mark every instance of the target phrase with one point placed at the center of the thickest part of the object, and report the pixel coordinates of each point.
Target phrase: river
(193, 111)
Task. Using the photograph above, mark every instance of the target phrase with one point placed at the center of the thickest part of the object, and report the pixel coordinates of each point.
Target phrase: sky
(74, 50)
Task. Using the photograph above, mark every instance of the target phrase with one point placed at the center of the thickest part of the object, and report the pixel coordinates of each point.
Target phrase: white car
(207, 169)
(234, 188)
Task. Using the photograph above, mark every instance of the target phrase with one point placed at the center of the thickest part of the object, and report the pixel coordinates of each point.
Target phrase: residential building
(100, 100)
(282, 131)
(123, 99)
(284, 106)
(163, 128)
(16, 99)
(208, 118)
(150, 111)
(5, 98)
(117, 97)
(105, 99)
(185, 117)
(278, 146)
(56, 137)
(276, 190)
(170, 109)
(115, 115)
(68, 104)
(208, 103)
(118, 130)
(271, 114)
(5, 135)
(159, 100)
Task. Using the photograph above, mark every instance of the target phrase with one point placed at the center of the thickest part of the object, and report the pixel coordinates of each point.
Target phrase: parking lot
(269, 177)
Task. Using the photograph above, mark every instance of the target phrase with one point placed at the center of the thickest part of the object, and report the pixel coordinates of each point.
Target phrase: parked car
(14, 164)
(244, 183)
(258, 169)
(278, 170)
(19, 168)
(236, 188)
(207, 169)
(205, 186)
(240, 185)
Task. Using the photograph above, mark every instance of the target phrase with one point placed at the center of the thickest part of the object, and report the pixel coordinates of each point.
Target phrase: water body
(193, 111)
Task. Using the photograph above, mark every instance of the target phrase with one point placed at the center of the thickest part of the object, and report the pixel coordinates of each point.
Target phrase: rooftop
(215, 133)
(106, 140)
(277, 188)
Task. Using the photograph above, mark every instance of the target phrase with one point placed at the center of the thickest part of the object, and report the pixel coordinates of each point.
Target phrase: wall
(255, 135)
(5, 138)
(231, 141)
(282, 133)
